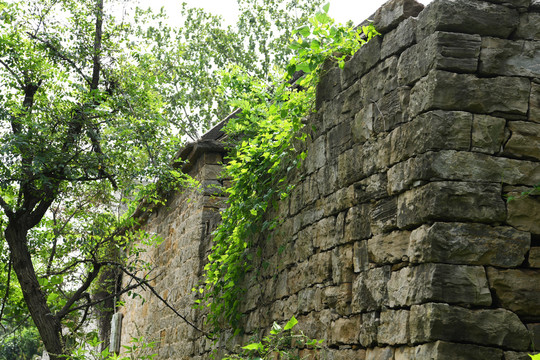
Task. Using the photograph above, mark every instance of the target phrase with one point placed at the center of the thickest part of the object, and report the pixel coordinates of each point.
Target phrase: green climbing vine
(263, 153)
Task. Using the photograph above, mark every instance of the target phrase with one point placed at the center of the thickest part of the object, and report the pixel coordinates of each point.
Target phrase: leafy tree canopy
(92, 107)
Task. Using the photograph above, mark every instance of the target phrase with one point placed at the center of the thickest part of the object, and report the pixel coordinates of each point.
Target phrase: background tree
(91, 107)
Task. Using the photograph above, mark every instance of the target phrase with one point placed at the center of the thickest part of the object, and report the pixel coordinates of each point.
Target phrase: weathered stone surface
(512, 355)
(369, 289)
(509, 58)
(383, 215)
(434, 130)
(371, 188)
(380, 80)
(460, 165)
(441, 50)
(524, 141)
(451, 201)
(393, 12)
(492, 327)
(394, 327)
(535, 5)
(390, 111)
(453, 284)
(369, 329)
(464, 243)
(329, 86)
(529, 26)
(487, 133)
(362, 125)
(361, 62)
(338, 298)
(534, 260)
(534, 330)
(316, 158)
(357, 224)
(534, 103)
(389, 248)
(345, 330)
(442, 350)
(342, 266)
(360, 256)
(450, 91)
(473, 17)
(513, 3)
(516, 289)
(524, 212)
(378, 353)
(338, 354)
(400, 38)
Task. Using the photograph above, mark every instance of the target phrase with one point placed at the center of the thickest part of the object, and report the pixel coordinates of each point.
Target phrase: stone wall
(398, 242)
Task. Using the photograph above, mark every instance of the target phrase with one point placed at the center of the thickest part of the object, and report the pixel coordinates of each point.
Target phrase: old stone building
(398, 242)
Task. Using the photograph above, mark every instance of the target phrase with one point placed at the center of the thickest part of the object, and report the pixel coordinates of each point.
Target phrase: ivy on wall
(263, 153)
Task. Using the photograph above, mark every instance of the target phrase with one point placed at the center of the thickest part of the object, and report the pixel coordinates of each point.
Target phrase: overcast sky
(341, 10)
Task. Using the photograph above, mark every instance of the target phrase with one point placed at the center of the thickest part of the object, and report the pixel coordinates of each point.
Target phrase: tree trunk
(47, 324)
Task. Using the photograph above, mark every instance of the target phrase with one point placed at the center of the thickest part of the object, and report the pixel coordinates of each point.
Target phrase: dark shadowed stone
(371, 188)
(535, 5)
(461, 165)
(380, 81)
(524, 212)
(534, 104)
(524, 141)
(534, 262)
(361, 62)
(492, 327)
(369, 289)
(328, 87)
(434, 130)
(510, 58)
(451, 201)
(357, 223)
(360, 256)
(516, 289)
(442, 350)
(464, 243)
(388, 16)
(389, 248)
(338, 139)
(442, 51)
(529, 26)
(473, 17)
(450, 91)
(512, 3)
(534, 329)
(512, 355)
(453, 284)
(399, 39)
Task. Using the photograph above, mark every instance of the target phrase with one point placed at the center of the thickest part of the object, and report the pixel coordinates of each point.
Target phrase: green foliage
(281, 343)
(535, 357)
(22, 344)
(263, 152)
(139, 348)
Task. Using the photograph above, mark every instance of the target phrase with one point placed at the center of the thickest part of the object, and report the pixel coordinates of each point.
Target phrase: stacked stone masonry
(398, 241)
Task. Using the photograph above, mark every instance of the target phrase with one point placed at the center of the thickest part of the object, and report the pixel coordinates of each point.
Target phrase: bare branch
(79, 293)
(21, 84)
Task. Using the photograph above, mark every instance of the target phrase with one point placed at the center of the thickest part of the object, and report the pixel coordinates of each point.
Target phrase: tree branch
(7, 209)
(21, 84)
(7, 292)
(79, 293)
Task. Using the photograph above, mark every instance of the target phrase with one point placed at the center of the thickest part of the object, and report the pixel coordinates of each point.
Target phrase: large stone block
(394, 327)
(442, 350)
(393, 12)
(487, 134)
(473, 17)
(450, 91)
(441, 50)
(453, 284)
(529, 26)
(491, 327)
(400, 38)
(369, 329)
(391, 110)
(510, 57)
(465, 243)
(451, 201)
(534, 103)
(361, 62)
(383, 215)
(524, 140)
(513, 355)
(534, 261)
(524, 212)
(389, 248)
(372, 188)
(463, 166)
(357, 224)
(516, 289)
(369, 290)
(434, 130)
(345, 330)
(380, 353)
(380, 81)
(329, 86)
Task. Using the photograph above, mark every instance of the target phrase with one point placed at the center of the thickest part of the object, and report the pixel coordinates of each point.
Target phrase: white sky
(341, 10)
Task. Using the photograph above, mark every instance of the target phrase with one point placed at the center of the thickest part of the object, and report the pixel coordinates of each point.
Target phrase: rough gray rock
(509, 58)
(516, 290)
